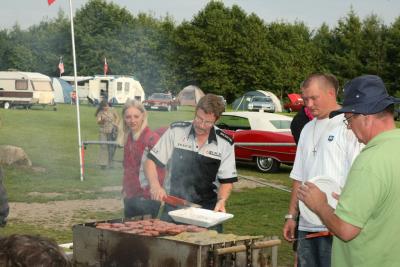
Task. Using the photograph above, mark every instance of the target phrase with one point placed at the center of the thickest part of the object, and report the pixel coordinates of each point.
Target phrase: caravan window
(126, 87)
(42, 86)
(21, 84)
(119, 86)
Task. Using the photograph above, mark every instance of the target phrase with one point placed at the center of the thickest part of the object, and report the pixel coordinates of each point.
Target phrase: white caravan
(117, 89)
(26, 89)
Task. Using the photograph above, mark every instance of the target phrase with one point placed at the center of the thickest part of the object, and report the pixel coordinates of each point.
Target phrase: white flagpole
(77, 91)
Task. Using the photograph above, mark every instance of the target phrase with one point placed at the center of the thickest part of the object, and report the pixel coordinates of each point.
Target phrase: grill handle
(240, 248)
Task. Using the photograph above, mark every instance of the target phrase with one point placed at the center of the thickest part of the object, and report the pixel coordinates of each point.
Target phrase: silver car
(263, 103)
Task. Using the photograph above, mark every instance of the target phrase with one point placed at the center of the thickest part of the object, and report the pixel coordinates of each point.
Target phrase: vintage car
(259, 137)
(295, 104)
(160, 101)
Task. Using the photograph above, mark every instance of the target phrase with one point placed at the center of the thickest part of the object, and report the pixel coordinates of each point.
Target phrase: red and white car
(295, 104)
(263, 138)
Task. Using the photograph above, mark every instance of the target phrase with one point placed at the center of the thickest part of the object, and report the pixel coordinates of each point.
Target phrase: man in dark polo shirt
(199, 157)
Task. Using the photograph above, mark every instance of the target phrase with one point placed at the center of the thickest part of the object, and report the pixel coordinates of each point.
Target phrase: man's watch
(289, 217)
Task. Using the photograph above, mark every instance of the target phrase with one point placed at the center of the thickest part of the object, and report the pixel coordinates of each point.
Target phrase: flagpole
(77, 91)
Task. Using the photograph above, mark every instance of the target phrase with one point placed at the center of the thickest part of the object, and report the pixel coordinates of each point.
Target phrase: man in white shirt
(326, 150)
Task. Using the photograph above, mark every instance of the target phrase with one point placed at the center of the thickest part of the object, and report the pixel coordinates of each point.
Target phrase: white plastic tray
(326, 185)
(200, 217)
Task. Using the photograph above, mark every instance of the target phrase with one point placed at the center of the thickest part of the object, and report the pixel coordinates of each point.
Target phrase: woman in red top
(138, 139)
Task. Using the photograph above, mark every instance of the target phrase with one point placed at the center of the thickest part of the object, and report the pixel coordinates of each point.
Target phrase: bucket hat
(365, 94)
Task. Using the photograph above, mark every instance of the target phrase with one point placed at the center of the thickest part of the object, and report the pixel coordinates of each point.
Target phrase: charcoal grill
(105, 248)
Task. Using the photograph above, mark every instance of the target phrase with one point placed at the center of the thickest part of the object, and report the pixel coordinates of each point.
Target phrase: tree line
(222, 50)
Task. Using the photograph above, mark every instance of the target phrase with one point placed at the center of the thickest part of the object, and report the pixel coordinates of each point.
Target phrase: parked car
(161, 101)
(261, 138)
(263, 103)
(295, 104)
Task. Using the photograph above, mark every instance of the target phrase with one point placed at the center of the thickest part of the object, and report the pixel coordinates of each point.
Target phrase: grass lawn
(50, 140)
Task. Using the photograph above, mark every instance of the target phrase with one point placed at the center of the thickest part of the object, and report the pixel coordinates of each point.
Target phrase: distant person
(326, 149)
(4, 208)
(138, 140)
(31, 251)
(73, 97)
(108, 120)
(366, 220)
(302, 117)
(199, 157)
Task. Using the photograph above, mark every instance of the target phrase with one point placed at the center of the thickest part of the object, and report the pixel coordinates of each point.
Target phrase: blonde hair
(126, 129)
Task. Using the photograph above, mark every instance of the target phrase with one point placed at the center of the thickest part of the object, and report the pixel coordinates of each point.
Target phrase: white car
(261, 103)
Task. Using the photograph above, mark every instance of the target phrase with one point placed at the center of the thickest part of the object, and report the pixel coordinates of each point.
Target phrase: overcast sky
(312, 12)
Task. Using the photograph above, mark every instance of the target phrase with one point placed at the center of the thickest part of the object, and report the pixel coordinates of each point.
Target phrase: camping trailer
(26, 89)
(117, 89)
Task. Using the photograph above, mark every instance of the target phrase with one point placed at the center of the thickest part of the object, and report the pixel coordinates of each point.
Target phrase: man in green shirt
(366, 220)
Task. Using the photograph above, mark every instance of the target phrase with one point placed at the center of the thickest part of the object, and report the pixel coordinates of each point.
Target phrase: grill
(105, 248)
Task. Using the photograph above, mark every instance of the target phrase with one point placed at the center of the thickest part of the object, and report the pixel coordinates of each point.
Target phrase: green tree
(392, 68)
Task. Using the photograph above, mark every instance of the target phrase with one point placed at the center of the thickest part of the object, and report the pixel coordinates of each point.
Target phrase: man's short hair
(33, 251)
(211, 104)
(326, 80)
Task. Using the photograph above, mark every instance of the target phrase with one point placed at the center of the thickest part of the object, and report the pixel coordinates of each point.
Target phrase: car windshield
(261, 99)
(158, 96)
(281, 124)
(233, 123)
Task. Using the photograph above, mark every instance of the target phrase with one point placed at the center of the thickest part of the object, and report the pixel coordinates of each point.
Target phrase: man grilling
(199, 157)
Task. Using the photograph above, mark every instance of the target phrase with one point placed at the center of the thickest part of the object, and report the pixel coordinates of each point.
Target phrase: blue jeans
(314, 252)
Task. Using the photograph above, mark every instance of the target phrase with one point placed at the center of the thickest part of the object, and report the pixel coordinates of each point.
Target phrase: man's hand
(312, 196)
(289, 230)
(220, 206)
(157, 193)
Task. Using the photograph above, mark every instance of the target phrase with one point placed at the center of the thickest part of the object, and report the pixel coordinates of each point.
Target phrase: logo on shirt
(213, 153)
(184, 145)
(330, 138)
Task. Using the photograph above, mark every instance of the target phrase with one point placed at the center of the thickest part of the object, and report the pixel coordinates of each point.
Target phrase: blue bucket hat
(365, 95)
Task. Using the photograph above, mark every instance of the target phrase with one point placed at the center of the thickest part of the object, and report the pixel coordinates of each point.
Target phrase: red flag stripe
(105, 66)
(61, 66)
(50, 1)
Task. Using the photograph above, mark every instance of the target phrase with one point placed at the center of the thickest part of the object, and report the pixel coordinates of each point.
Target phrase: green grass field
(50, 140)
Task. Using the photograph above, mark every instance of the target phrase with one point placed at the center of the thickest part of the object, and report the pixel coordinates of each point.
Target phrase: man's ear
(332, 92)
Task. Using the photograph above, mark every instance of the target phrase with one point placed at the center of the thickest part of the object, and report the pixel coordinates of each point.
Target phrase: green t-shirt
(370, 200)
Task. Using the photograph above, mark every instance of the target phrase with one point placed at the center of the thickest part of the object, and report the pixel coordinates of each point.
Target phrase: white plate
(200, 217)
(326, 185)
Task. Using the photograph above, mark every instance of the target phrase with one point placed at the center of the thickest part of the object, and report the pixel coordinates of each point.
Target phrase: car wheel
(266, 164)
(6, 105)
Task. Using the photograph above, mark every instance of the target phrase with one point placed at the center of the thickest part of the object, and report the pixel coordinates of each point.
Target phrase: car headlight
(250, 105)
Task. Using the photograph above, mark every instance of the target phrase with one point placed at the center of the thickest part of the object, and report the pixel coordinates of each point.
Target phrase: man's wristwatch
(289, 217)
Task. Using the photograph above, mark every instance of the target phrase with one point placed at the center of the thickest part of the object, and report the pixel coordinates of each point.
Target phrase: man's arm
(290, 224)
(156, 190)
(224, 192)
(316, 200)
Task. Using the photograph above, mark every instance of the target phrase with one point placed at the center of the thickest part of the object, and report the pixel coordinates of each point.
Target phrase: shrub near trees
(221, 49)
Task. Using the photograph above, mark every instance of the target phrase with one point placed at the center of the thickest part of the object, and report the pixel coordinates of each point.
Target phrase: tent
(242, 102)
(190, 95)
(62, 90)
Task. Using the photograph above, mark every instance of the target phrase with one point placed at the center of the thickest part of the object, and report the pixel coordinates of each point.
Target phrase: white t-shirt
(326, 148)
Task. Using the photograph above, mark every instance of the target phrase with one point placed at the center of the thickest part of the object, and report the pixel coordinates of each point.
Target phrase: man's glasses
(200, 121)
(347, 120)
